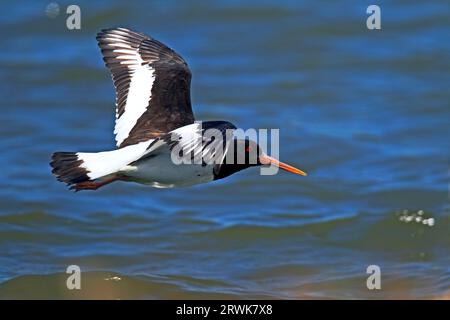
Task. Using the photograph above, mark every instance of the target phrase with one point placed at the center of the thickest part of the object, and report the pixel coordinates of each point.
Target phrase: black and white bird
(153, 118)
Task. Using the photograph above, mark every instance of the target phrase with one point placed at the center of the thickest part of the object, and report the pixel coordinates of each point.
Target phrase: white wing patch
(139, 95)
(140, 89)
(139, 92)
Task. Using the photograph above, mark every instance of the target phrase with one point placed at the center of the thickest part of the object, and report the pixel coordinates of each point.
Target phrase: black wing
(152, 85)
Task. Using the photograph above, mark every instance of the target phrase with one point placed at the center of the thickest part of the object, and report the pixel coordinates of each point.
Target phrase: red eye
(248, 149)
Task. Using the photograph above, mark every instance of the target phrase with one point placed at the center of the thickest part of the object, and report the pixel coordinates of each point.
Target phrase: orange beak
(265, 159)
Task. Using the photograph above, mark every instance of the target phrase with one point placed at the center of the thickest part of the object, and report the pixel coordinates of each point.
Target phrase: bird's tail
(79, 169)
(85, 171)
(68, 167)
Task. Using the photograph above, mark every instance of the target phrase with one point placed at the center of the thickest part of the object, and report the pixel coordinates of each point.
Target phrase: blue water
(365, 113)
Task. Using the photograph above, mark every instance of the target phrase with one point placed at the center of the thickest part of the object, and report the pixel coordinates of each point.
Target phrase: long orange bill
(265, 159)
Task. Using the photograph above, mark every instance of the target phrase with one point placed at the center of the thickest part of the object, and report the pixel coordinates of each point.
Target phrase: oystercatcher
(154, 121)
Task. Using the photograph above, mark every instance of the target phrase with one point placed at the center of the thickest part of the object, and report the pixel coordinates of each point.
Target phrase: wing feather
(152, 85)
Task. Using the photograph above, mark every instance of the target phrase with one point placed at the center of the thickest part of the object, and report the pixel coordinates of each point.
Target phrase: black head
(240, 155)
(243, 154)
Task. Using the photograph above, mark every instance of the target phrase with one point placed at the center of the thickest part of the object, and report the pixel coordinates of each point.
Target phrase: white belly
(160, 172)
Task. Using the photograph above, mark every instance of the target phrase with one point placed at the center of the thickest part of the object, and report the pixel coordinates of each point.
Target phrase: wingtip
(105, 31)
(113, 29)
(122, 31)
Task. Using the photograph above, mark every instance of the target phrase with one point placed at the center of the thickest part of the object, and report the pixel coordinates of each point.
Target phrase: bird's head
(246, 153)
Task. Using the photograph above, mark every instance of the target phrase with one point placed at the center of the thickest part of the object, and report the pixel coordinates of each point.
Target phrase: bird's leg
(94, 185)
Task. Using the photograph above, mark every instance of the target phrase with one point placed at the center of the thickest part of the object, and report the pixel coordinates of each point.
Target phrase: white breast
(159, 171)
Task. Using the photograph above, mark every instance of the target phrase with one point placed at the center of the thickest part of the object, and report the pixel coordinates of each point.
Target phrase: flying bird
(153, 118)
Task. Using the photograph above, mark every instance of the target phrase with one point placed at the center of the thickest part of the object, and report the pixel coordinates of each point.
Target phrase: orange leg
(94, 185)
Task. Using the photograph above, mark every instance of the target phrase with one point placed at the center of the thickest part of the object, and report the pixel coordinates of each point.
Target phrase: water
(365, 113)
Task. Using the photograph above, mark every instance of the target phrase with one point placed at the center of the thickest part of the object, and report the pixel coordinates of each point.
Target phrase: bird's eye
(248, 149)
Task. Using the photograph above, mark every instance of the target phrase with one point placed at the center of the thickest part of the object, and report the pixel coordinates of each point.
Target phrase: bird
(154, 121)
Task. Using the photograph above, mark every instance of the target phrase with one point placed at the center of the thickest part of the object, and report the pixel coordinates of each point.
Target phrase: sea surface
(364, 112)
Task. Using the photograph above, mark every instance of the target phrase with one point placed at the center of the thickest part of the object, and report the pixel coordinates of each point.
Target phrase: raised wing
(152, 85)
